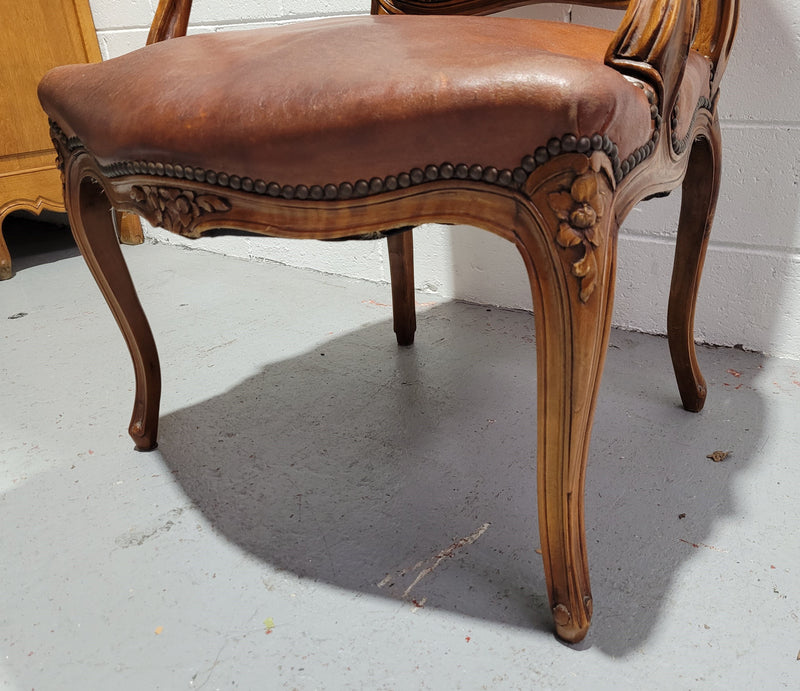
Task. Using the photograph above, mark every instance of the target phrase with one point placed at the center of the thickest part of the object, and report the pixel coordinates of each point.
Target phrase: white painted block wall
(749, 294)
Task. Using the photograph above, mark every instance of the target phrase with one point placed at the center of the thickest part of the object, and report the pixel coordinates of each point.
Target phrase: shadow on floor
(410, 473)
(34, 240)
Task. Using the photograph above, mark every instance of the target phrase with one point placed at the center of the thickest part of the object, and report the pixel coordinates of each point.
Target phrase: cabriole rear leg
(401, 268)
(700, 190)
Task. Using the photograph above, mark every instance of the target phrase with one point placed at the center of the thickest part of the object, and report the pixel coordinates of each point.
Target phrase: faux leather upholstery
(351, 98)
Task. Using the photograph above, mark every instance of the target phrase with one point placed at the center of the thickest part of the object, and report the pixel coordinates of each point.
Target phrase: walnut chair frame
(562, 207)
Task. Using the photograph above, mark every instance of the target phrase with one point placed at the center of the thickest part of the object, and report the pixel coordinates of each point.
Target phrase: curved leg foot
(92, 225)
(401, 268)
(569, 248)
(700, 189)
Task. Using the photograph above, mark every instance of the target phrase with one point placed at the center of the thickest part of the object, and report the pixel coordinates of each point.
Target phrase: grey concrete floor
(289, 531)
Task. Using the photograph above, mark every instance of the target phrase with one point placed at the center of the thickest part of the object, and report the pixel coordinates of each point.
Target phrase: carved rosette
(580, 207)
(176, 209)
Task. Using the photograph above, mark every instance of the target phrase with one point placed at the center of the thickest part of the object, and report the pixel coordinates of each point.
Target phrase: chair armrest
(652, 44)
(171, 20)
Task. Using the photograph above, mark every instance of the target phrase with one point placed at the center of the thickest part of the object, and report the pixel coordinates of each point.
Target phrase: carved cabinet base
(29, 178)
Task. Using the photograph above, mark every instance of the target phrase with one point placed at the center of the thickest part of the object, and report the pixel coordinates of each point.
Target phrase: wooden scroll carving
(175, 209)
(652, 44)
(715, 33)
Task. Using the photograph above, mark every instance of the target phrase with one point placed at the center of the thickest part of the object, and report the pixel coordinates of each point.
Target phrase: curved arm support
(171, 20)
(652, 44)
(715, 33)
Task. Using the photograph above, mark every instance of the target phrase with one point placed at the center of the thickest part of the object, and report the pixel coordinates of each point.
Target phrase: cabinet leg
(6, 271)
(5, 258)
(130, 229)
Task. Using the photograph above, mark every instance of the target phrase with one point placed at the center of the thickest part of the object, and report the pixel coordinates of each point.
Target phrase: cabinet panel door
(36, 35)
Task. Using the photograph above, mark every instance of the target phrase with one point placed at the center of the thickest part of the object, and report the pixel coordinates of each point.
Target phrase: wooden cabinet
(36, 35)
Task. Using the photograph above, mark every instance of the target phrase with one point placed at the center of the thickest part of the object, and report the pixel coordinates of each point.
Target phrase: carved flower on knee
(579, 210)
(174, 208)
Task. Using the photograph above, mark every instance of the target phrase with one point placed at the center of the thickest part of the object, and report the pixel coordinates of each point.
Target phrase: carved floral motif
(579, 208)
(174, 208)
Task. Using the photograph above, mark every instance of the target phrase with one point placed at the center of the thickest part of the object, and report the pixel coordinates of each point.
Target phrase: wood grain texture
(34, 190)
(715, 33)
(171, 20)
(34, 37)
(652, 43)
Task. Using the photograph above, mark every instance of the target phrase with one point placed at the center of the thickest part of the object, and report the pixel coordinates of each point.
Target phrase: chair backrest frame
(477, 6)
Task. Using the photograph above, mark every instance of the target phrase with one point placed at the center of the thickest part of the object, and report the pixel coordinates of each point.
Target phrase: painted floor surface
(329, 511)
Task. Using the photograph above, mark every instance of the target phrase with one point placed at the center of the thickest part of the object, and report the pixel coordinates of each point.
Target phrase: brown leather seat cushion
(344, 99)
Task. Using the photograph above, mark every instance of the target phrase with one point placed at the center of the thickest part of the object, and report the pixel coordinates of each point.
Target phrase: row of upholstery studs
(506, 178)
(679, 145)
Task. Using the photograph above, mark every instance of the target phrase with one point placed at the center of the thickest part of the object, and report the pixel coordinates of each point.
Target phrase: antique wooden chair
(544, 133)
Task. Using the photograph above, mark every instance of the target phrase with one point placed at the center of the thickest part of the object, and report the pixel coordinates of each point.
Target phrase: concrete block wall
(749, 294)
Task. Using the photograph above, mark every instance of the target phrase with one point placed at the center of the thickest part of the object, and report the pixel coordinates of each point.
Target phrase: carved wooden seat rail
(544, 133)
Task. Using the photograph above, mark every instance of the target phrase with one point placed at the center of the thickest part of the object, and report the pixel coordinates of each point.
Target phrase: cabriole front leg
(90, 216)
(569, 248)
